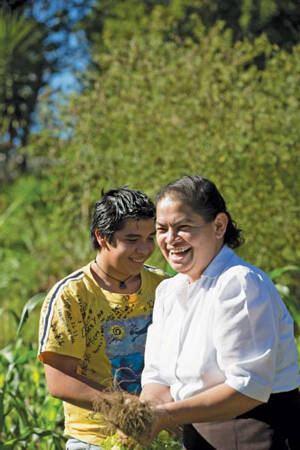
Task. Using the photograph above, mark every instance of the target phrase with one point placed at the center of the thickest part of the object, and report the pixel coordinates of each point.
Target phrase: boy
(93, 322)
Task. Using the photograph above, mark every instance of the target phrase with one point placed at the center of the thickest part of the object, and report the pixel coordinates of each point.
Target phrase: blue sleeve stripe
(63, 283)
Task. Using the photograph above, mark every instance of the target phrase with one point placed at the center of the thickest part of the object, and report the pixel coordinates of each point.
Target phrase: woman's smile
(179, 255)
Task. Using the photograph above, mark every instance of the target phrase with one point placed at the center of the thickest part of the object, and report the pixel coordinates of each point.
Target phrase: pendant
(122, 285)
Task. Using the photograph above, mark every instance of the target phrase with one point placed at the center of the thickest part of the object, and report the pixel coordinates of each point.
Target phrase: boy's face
(130, 248)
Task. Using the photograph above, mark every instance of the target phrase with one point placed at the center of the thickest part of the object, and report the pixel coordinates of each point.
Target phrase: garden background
(167, 88)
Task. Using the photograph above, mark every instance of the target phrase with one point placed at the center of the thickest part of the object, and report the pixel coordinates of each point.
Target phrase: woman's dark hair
(115, 206)
(204, 198)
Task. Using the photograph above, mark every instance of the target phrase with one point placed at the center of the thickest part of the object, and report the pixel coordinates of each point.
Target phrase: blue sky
(73, 51)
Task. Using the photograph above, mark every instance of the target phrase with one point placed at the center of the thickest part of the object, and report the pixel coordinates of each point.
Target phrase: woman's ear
(100, 239)
(221, 222)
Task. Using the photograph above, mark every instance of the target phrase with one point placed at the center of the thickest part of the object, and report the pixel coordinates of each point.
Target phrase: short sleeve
(246, 334)
(61, 325)
(151, 372)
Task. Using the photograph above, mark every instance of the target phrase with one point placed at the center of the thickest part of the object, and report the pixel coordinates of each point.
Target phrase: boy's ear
(100, 239)
(221, 222)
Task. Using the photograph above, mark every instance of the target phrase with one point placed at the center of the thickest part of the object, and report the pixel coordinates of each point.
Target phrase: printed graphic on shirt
(125, 345)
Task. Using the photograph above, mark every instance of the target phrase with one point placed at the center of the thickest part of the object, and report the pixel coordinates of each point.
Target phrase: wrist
(168, 415)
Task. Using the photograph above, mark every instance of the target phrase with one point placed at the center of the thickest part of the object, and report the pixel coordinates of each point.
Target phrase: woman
(220, 356)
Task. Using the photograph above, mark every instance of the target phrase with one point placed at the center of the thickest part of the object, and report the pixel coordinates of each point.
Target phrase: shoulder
(242, 271)
(73, 280)
(68, 286)
(169, 293)
(244, 280)
(172, 285)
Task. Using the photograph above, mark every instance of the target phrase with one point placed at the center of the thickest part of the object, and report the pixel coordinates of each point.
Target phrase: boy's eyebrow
(134, 235)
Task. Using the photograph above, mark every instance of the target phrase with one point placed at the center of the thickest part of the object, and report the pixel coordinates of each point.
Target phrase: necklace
(122, 284)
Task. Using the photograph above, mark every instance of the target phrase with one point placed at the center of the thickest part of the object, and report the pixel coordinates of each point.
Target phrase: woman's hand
(156, 394)
(162, 421)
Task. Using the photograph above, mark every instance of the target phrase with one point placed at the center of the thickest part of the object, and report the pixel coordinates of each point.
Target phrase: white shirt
(230, 326)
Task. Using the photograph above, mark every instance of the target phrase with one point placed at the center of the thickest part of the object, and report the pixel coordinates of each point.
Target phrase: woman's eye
(184, 227)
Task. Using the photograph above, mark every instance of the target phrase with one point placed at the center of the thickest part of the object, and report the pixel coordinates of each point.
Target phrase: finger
(123, 438)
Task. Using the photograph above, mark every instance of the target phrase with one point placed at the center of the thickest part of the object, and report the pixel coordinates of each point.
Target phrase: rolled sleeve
(246, 335)
(151, 372)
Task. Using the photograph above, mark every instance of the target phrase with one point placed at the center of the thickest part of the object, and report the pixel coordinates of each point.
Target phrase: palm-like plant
(23, 63)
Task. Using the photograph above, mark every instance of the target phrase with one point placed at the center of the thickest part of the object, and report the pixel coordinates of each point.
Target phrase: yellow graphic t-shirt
(104, 330)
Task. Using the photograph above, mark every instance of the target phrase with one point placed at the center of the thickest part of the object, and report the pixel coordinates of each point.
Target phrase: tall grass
(29, 417)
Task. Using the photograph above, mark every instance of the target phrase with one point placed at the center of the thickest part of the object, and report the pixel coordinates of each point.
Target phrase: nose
(145, 247)
(171, 236)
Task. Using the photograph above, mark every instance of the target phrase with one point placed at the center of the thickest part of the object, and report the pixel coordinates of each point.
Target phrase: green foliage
(158, 111)
(29, 418)
(162, 441)
(177, 19)
(21, 46)
(163, 110)
(173, 98)
(286, 294)
(24, 249)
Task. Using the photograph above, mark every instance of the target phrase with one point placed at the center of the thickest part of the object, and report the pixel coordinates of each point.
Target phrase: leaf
(19, 404)
(7, 352)
(27, 433)
(277, 272)
(1, 410)
(25, 357)
(9, 211)
(6, 446)
(12, 312)
(28, 308)
(170, 270)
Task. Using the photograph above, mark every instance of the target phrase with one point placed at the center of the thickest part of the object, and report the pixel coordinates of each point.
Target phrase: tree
(23, 70)
(279, 19)
(11, 5)
(159, 110)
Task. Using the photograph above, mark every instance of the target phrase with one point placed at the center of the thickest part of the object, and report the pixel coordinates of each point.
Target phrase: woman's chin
(181, 261)
(179, 267)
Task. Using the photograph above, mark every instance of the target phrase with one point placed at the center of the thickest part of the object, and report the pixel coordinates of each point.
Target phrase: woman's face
(187, 242)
